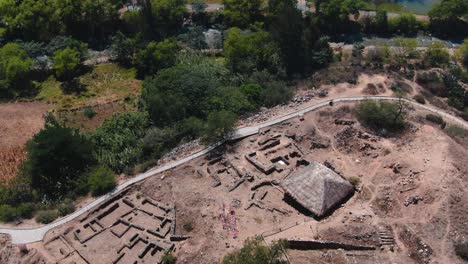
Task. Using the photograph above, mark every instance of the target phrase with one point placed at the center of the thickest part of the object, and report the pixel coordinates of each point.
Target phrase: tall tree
(449, 17)
(286, 26)
(15, 66)
(246, 52)
(241, 13)
(57, 158)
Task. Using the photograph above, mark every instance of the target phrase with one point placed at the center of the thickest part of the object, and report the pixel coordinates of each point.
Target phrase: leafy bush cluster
(254, 251)
(383, 117)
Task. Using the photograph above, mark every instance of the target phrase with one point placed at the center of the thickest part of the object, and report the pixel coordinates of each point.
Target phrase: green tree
(381, 22)
(333, 15)
(231, 99)
(462, 53)
(241, 13)
(382, 116)
(437, 55)
(156, 56)
(123, 49)
(167, 16)
(181, 91)
(15, 68)
(405, 24)
(117, 143)
(67, 64)
(219, 126)
(285, 24)
(448, 17)
(254, 251)
(101, 180)
(405, 48)
(30, 19)
(56, 160)
(246, 52)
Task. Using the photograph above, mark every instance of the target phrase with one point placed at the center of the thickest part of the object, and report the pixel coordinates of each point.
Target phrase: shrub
(8, 213)
(355, 181)
(420, 99)
(434, 119)
(382, 116)
(461, 249)
(25, 210)
(46, 216)
(255, 251)
(437, 55)
(456, 131)
(89, 112)
(66, 207)
(101, 180)
(168, 258)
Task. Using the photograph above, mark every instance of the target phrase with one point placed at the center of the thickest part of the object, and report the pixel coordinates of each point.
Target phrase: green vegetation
(117, 142)
(437, 55)
(461, 249)
(177, 89)
(57, 158)
(435, 119)
(46, 216)
(382, 116)
(462, 53)
(168, 258)
(242, 13)
(101, 180)
(156, 56)
(255, 251)
(105, 83)
(15, 68)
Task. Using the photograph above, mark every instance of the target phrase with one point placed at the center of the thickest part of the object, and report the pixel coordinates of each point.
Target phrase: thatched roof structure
(317, 188)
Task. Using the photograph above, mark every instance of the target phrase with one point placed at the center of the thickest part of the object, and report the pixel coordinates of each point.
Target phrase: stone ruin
(125, 229)
(276, 153)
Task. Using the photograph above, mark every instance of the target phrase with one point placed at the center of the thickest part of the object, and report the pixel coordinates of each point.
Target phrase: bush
(57, 158)
(456, 131)
(66, 207)
(255, 251)
(437, 55)
(435, 119)
(8, 213)
(168, 258)
(89, 112)
(355, 181)
(117, 142)
(101, 180)
(461, 249)
(382, 116)
(46, 216)
(420, 99)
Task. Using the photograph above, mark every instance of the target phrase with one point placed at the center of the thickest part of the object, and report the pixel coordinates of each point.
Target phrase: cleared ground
(18, 123)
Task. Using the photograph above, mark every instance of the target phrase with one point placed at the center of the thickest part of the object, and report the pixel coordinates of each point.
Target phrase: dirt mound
(432, 80)
(374, 89)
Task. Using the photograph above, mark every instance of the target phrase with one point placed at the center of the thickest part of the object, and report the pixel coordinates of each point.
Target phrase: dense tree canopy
(156, 56)
(249, 51)
(57, 158)
(449, 17)
(241, 13)
(15, 66)
(117, 141)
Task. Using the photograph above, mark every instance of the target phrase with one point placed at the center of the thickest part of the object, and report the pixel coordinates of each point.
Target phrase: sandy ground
(423, 166)
(18, 123)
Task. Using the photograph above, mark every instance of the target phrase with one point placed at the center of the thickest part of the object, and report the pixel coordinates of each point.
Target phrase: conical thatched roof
(317, 188)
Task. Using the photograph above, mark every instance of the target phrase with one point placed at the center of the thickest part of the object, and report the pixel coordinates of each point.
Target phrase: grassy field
(104, 84)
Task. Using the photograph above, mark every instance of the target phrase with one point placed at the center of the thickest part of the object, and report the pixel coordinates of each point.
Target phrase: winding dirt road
(24, 236)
